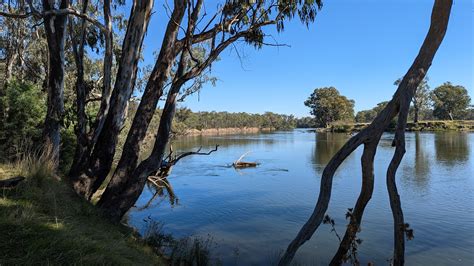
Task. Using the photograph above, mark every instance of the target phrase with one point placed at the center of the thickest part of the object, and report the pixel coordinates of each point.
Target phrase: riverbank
(456, 125)
(42, 221)
(225, 131)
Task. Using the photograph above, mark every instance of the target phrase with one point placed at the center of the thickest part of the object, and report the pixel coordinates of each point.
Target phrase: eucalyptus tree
(100, 147)
(53, 15)
(450, 101)
(421, 99)
(369, 137)
(328, 105)
(233, 21)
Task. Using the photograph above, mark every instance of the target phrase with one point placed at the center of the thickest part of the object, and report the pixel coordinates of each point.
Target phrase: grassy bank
(42, 221)
(456, 125)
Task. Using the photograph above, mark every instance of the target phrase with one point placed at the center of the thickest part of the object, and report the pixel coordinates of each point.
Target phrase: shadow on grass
(46, 223)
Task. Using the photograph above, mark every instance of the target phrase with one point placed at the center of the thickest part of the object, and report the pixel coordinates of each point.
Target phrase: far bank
(440, 125)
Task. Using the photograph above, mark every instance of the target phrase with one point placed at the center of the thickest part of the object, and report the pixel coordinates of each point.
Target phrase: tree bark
(89, 180)
(78, 43)
(55, 28)
(122, 198)
(146, 108)
(398, 105)
(85, 139)
(417, 111)
(367, 161)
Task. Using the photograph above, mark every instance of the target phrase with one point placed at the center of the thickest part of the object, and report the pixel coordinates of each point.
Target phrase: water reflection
(452, 147)
(261, 210)
(159, 190)
(326, 145)
(191, 142)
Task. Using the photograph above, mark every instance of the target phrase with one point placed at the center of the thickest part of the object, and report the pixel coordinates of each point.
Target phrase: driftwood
(240, 164)
(159, 179)
(11, 182)
(244, 164)
(170, 160)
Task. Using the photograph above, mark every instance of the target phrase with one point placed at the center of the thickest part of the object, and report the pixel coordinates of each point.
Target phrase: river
(252, 214)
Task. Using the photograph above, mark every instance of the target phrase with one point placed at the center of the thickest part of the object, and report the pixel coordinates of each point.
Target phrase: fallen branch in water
(171, 160)
(239, 164)
(159, 178)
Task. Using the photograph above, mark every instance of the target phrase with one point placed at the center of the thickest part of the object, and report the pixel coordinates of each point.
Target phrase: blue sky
(360, 47)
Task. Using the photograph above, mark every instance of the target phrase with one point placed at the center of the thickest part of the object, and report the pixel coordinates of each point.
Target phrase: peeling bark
(131, 185)
(146, 108)
(55, 28)
(88, 180)
(78, 43)
(398, 105)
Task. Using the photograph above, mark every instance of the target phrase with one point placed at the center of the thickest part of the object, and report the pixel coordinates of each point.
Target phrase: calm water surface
(252, 214)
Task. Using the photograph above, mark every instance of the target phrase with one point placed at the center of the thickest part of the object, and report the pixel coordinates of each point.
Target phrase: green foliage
(421, 99)
(366, 116)
(259, 11)
(327, 105)
(25, 109)
(450, 101)
(306, 122)
(186, 119)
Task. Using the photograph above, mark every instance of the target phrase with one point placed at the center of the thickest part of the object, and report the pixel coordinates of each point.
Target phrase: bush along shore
(225, 131)
(446, 125)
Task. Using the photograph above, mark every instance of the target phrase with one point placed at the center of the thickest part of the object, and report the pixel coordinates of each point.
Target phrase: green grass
(42, 221)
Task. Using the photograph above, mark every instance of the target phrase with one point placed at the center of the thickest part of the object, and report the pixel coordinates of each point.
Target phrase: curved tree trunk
(146, 108)
(55, 28)
(367, 162)
(100, 161)
(127, 190)
(398, 105)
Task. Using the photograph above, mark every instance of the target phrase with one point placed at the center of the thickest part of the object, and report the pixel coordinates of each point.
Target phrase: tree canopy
(327, 106)
(450, 101)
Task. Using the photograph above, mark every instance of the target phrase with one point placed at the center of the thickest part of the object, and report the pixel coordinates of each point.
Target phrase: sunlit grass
(42, 221)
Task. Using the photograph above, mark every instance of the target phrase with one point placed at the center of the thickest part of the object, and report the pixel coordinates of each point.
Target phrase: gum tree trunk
(416, 111)
(146, 108)
(87, 181)
(78, 43)
(55, 28)
(370, 136)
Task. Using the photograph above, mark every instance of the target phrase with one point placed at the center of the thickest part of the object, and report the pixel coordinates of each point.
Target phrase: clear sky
(358, 46)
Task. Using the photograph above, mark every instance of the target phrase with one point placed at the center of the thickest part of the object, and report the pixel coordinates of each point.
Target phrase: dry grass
(44, 222)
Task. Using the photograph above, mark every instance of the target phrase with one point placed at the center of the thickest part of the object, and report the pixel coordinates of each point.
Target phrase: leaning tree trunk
(146, 108)
(122, 200)
(126, 196)
(370, 136)
(88, 180)
(55, 28)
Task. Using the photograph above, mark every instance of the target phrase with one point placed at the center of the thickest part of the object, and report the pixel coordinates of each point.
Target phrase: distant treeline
(445, 102)
(186, 119)
(205, 120)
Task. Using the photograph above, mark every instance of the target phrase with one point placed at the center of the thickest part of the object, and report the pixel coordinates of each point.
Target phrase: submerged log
(11, 182)
(244, 164)
(240, 164)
